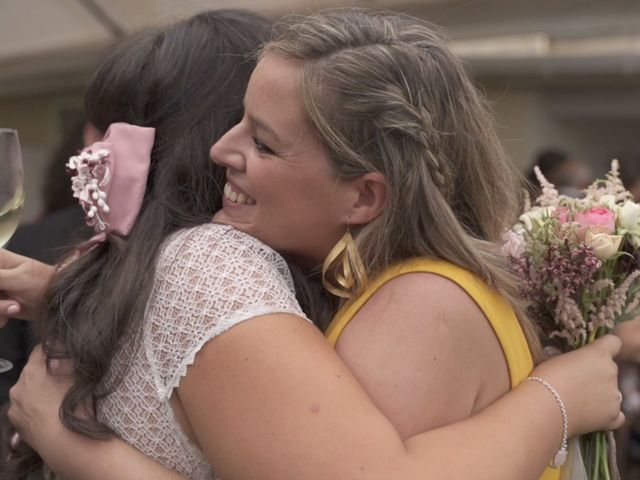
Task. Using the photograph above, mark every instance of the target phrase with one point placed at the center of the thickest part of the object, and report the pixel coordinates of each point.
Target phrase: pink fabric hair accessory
(109, 178)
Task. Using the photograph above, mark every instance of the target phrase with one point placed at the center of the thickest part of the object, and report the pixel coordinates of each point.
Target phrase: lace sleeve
(208, 279)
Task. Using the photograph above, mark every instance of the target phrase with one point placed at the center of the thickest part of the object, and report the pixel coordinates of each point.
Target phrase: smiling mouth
(237, 197)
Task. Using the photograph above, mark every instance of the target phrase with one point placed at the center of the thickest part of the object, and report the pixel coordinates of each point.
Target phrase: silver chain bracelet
(561, 456)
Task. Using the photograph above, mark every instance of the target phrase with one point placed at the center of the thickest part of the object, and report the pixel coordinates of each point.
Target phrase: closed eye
(261, 147)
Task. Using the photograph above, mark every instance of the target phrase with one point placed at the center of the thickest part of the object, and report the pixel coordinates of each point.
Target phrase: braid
(416, 122)
(438, 173)
(430, 141)
(404, 113)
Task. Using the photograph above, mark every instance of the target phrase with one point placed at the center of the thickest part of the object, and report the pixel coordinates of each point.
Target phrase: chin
(223, 218)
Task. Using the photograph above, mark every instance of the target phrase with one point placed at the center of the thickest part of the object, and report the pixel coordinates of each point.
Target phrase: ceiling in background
(50, 45)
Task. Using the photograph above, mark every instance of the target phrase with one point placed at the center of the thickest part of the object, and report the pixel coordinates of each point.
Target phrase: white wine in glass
(11, 194)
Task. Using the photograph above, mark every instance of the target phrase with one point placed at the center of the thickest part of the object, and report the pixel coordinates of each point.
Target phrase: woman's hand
(23, 281)
(35, 402)
(36, 399)
(587, 381)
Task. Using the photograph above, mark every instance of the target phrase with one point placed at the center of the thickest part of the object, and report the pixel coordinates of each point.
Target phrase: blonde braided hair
(386, 95)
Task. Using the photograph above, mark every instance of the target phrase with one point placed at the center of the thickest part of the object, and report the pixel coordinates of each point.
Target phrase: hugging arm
(274, 418)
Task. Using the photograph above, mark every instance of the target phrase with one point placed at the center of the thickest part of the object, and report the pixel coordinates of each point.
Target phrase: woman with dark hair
(188, 342)
(186, 81)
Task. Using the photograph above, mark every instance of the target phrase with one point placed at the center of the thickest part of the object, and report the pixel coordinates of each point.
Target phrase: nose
(228, 151)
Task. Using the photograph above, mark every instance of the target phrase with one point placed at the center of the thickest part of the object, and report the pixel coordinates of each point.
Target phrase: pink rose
(595, 220)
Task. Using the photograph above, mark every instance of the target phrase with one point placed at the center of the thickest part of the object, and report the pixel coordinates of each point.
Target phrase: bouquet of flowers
(578, 260)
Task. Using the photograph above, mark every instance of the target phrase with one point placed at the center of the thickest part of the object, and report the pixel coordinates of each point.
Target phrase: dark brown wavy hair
(187, 81)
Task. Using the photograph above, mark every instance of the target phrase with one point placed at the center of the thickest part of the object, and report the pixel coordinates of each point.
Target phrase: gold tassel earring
(346, 267)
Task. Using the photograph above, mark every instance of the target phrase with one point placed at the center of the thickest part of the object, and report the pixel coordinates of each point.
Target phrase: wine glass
(11, 194)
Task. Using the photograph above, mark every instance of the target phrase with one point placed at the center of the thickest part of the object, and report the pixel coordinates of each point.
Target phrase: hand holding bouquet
(578, 260)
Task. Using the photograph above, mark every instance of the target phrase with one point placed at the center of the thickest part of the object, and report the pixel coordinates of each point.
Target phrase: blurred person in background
(630, 175)
(629, 333)
(629, 359)
(566, 172)
(61, 226)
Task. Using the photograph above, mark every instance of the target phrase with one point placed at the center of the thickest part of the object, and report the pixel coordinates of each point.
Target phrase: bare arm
(259, 414)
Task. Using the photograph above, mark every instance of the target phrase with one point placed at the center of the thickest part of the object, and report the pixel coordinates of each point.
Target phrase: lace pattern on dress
(208, 279)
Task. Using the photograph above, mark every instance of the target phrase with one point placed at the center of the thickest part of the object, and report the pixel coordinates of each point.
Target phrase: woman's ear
(370, 198)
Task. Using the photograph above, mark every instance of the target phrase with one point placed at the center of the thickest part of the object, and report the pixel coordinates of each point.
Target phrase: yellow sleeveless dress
(499, 313)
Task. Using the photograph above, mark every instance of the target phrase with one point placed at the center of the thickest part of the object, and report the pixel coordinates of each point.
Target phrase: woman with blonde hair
(360, 125)
(366, 126)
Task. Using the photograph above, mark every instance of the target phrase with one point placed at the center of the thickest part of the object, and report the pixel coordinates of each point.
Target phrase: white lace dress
(207, 280)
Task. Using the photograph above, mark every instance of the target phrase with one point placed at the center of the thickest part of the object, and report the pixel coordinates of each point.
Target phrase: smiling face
(280, 186)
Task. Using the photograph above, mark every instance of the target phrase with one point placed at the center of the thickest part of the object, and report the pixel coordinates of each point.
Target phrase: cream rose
(535, 218)
(604, 246)
(629, 221)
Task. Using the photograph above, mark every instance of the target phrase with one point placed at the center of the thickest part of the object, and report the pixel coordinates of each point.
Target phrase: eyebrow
(263, 126)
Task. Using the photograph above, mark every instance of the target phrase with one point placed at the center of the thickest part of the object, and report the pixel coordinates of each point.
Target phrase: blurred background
(562, 76)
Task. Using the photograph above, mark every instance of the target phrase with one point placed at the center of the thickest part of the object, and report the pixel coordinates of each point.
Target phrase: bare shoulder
(429, 311)
(424, 351)
(422, 301)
